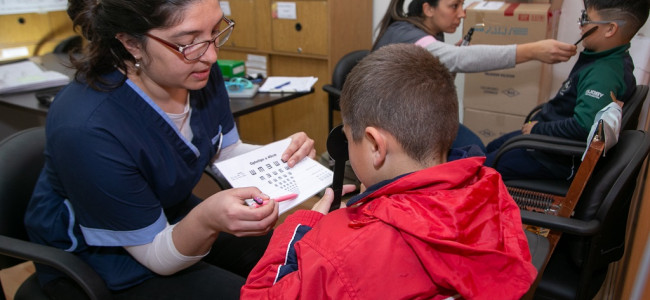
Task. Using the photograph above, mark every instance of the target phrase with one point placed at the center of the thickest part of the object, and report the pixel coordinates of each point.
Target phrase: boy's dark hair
(403, 89)
(633, 12)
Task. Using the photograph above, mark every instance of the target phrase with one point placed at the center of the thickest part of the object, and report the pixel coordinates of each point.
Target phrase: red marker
(285, 197)
(258, 201)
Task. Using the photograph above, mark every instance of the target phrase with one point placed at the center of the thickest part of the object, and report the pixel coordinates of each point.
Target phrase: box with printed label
(491, 125)
(517, 90)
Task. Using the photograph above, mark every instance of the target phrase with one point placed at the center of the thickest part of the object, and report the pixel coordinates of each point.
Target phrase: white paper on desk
(278, 84)
(264, 169)
(27, 76)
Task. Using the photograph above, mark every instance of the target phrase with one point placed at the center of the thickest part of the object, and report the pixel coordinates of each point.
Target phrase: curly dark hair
(99, 21)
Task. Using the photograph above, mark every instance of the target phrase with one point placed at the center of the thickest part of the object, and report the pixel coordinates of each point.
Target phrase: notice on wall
(225, 7)
(284, 10)
(10, 7)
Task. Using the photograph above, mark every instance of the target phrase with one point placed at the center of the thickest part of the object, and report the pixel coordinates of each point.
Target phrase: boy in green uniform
(604, 66)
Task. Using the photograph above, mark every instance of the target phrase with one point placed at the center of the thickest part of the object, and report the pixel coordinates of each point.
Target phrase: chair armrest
(65, 262)
(217, 177)
(566, 225)
(545, 143)
(533, 112)
(330, 89)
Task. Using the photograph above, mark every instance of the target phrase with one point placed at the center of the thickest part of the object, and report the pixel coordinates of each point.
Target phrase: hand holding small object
(588, 33)
(258, 201)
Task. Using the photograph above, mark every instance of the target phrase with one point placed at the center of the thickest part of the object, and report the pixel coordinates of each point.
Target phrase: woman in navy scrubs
(128, 140)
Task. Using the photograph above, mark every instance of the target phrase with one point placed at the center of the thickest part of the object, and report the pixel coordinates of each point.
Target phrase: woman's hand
(300, 147)
(228, 212)
(323, 205)
(548, 51)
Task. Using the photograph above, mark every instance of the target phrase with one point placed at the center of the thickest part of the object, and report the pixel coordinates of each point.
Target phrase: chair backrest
(345, 65)
(608, 194)
(632, 108)
(21, 161)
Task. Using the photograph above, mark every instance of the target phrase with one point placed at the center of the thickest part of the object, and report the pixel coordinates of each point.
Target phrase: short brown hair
(403, 89)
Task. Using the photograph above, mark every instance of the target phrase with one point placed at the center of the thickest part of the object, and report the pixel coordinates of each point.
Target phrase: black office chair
(21, 161)
(632, 108)
(562, 146)
(71, 44)
(594, 236)
(341, 70)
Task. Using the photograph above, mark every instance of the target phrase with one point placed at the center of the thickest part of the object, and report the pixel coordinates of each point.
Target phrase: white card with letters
(264, 169)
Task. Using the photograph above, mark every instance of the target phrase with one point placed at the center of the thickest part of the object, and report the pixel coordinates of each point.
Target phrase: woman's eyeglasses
(238, 83)
(584, 20)
(194, 51)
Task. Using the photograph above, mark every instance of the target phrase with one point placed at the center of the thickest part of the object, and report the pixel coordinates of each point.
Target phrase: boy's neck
(399, 164)
(608, 45)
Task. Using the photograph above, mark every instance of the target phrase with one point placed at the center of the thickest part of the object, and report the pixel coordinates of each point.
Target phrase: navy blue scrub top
(118, 170)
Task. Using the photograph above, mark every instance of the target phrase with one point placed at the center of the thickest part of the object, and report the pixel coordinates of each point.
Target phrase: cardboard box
(232, 68)
(490, 125)
(508, 23)
(555, 4)
(513, 91)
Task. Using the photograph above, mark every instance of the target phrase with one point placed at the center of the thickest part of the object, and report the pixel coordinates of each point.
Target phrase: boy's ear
(131, 44)
(378, 147)
(611, 29)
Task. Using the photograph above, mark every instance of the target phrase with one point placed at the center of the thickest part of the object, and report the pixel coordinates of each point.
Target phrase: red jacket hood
(460, 220)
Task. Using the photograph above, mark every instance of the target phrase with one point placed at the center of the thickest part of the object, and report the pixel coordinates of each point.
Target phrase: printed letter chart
(264, 169)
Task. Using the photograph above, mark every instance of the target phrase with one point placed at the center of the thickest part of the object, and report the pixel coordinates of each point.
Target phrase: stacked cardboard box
(497, 102)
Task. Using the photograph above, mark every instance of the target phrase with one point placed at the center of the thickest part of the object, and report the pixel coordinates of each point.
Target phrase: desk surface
(239, 107)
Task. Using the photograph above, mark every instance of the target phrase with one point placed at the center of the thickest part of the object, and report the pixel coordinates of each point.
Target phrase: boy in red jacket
(425, 228)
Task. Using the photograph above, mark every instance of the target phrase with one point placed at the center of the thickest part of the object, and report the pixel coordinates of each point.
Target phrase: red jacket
(446, 230)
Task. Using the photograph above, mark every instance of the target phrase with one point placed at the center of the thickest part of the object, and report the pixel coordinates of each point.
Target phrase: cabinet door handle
(298, 26)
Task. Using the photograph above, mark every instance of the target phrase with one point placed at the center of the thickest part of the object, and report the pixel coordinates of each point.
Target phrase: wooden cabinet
(242, 12)
(29, 34)
(307, 34)
(309, 45)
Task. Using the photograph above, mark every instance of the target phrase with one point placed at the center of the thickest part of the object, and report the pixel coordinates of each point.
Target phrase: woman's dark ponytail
(396, 13)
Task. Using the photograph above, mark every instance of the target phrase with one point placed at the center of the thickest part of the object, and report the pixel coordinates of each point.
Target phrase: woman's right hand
(224, 211)
(227, 211)
(548, 51)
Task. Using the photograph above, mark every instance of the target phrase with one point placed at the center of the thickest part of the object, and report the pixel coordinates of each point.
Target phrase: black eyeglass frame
(182, 48)
(584, 20)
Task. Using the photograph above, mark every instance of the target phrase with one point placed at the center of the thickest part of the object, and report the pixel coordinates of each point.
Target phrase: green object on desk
(231, 68)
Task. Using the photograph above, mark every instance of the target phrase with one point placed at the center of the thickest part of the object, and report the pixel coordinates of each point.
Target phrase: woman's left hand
(300, 147)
